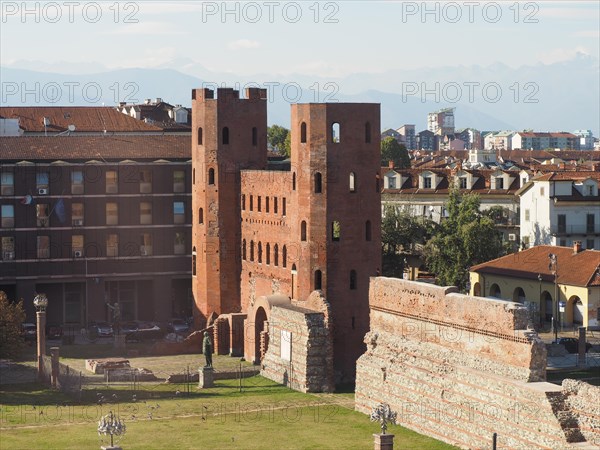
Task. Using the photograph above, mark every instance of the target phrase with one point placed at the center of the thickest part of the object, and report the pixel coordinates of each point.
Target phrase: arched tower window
(303, 231)
(251, 250)
(318, 277)
(353, 279)
(194, 261)
(303, 133)
(352, 182)
(284, 256)
(268, 254)
(243, 202)
(211, 176)
(336, 231)
(335, 133)
(294, 181)
(200, 216)
(254, 136)
(276, 255)
(260, 252)
(367, 133)
(199, 135)
(318, 183)
(225, 135)
(368, 230)
(244, 249)
(251, 203)
(193, 176)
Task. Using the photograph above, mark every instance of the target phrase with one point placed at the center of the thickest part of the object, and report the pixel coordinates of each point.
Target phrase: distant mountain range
(563, 96)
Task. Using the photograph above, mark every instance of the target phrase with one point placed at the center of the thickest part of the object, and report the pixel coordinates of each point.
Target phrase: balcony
(576, 230)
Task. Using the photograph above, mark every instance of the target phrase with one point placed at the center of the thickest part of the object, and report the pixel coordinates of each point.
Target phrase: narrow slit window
(368, 230)
(200, 216)
(211, 176)
(367, 133)
(276, 255)
(303, 231)
(336, 231)
(284, 256)
(254, 136)
(335, 133)
(352, 182)
(294, 181)
(318, 277)
(268, 254)
(199, 135)
(318, 183)
(353, 279)
(225, 136)
(303, 133)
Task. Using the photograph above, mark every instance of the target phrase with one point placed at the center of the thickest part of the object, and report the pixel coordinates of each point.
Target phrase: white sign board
(286, 345)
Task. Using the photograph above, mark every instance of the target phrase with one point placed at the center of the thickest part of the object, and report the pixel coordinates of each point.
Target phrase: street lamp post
(539, 277)
(41, 302)
(553, 266)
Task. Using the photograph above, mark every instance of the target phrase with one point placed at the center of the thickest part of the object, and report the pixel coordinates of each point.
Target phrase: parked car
(178, 326)
(29, 332)
(129, 327)
(572, 344)
(146, 331)
(54, 331)
(102, 329)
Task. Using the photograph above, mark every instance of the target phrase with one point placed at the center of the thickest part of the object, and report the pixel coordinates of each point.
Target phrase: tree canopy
(12, 316)
(467, 237)
(279, 138)
(392, 150)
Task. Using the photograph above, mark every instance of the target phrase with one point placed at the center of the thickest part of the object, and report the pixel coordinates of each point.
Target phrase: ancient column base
(383, 441)
(206, 378)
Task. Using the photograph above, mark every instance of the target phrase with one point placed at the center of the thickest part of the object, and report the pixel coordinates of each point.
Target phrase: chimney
(576, 247)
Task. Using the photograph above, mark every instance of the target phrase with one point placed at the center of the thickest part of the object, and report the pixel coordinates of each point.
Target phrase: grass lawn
(590, 375)
(264, 415)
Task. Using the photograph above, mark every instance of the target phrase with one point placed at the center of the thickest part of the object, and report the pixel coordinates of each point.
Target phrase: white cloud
(242, 44)
(561, 54)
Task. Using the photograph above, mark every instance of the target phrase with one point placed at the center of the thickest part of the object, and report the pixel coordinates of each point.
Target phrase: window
(353, 279)
(268, 254)
(590, 190)
(41, 215)
(77, 182)
(352, 182)
(368, 230)
(589, 244)
(275, 205)
(294, 181)
(225, 136)
(200, 216)
(266, 204)
(43, 247)
(244, 250)
(562, 223)
(145, 244)
(112, 245)
(391, 182)
(211, 176)
(284, 256)
(112, 214)
(8, 248)
(542, 191)
(243, 202)
(563, 242)
(42, 183)
(336, 231)
(260, 252)
(8, 216)
(590, 225)
(199, 135)
(145, 213)
(303, 231)
(7, 183)
(258, 204)
(426, 182)
(193, 176)
(178, 213)
(178, 181)
(77, 246)
(77, 214)
(276, 255)
(318, 279)
(318, 183)
(112, 182)
(194, 261)
(303, 133)
(254, 136)
(283, 206)
(251, 203)
(367, 133)
(179, 243)
(500, 183)
(251, 250)
(145, 181)
(462, 182)
(335, 133)
(526, 215)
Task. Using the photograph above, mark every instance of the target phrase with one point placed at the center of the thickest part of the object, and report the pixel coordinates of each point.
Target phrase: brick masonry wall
(461, 368)
(311, 364)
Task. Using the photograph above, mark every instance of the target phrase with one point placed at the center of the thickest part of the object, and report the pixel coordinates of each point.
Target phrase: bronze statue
(116, 313)
(207, 349)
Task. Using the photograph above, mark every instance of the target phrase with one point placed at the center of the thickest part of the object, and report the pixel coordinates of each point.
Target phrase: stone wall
(299, 353)
(460, 368)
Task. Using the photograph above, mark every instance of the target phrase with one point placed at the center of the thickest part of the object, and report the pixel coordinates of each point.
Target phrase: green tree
(276, 136)
(401, 233)
(391, 150)
(467, 237)
(287, 145)
(12, 316)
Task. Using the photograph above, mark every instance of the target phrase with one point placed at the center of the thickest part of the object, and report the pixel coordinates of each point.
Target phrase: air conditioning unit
(512, 237)
(43, 191)
(8, 255)
(78, 253)
(143, 252)
(77, 222)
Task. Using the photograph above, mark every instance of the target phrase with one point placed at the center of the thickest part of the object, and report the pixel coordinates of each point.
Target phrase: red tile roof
(85, 118)
(575, 269)
(86, 147)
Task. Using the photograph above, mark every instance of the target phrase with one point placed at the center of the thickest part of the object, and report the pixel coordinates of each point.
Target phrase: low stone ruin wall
(460, 368)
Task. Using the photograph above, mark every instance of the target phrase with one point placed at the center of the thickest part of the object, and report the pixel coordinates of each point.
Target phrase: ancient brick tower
(335, 159)
(229, 134)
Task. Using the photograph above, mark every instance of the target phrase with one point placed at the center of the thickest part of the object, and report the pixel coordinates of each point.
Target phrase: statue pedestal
(206, 378)
(108, 447)
(383, 441)
(119, 340)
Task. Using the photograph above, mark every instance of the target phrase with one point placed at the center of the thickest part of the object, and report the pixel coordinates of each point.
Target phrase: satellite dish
(71, 128)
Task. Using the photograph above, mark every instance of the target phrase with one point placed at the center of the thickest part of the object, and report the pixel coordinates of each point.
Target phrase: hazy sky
(309, 38)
